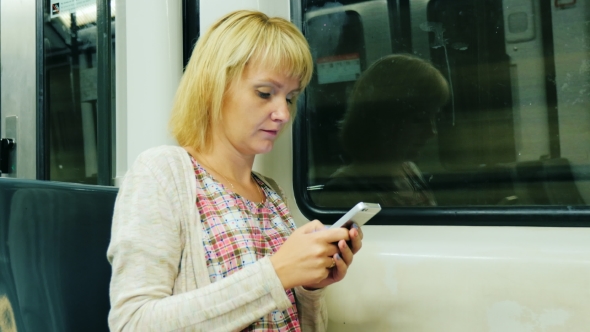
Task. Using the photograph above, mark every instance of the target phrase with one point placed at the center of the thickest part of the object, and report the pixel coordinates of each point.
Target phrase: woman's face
(255, 109)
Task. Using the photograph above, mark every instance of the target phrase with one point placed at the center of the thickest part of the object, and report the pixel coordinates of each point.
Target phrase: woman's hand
(306, 257)
(315, 257)
(342, 259)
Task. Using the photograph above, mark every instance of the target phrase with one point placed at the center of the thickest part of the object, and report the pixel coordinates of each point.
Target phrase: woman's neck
(228, 163)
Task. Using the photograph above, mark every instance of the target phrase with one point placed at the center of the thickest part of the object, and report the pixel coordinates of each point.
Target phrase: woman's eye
(290, 101)
(263, 95)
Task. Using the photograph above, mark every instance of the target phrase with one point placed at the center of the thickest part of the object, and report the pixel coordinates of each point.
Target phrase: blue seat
(54, 275)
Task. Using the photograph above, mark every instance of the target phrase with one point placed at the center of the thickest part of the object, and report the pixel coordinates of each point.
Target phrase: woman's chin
(262, 148)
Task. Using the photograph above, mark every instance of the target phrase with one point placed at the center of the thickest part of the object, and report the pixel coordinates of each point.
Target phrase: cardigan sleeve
(312, 310)
(145, 253)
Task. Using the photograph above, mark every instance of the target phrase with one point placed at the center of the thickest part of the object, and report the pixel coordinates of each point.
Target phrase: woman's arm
(145, 253)
(312, 309)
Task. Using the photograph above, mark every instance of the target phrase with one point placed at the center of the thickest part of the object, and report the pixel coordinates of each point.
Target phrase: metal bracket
(6, 147)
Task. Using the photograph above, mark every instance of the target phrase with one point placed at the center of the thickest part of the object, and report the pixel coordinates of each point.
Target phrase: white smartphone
(359, 214)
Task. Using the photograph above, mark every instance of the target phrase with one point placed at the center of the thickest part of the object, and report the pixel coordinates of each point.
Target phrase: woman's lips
(271, 132)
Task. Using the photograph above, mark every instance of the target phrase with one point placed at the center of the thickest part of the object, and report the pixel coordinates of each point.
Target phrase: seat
(55, 272)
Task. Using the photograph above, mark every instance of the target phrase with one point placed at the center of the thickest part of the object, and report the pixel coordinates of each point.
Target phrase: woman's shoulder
(162, 168)
(164, 163)
(162, 156)
(162, 151)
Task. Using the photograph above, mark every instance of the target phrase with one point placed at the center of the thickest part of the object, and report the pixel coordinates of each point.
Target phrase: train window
(78, 79)
(190, 28)
(446, 109)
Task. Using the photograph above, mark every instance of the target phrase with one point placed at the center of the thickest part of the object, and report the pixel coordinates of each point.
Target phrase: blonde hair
(218, 60)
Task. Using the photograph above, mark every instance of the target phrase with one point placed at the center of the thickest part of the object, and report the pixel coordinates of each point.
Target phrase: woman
(390, 116)
(199, 241)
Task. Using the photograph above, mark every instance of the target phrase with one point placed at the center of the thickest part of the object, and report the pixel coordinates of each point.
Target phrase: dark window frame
(105, 139)
(191, 28)
(42, 155)
(536, 216)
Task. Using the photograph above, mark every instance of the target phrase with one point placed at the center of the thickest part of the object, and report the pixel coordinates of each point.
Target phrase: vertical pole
(42, 119)
(190, 28)
(550, 83)
(104, 107)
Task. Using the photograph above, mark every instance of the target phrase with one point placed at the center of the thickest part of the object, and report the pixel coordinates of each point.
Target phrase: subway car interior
(492, 234)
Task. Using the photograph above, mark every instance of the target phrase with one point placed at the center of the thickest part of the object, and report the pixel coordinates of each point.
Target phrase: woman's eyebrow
(267, 82)
(273, 83)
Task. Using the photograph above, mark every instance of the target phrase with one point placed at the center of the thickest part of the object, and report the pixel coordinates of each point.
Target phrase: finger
(334, 235)
(345, 252)
(356, 242)
(312, 226)
(358, 229)
(332, 249)
(339, 269)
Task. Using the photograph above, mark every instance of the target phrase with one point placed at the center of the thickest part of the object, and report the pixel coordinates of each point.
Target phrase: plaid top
(238, 232)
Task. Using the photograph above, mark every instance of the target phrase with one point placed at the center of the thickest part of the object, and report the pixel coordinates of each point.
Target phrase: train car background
(86, 86)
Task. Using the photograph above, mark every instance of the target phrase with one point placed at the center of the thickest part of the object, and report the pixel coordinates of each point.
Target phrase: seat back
(53, 240)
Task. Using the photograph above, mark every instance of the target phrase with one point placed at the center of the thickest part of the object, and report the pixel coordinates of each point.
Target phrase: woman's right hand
(306, 256)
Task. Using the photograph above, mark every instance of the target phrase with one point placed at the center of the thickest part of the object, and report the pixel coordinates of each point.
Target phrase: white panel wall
(18, 79)
(121, 163)
(466, 279)
(211, 10)
(149, 67)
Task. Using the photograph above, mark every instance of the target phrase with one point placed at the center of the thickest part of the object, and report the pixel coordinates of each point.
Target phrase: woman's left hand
(343, 259)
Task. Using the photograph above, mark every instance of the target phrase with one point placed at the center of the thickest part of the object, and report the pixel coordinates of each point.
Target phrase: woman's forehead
(257, 72)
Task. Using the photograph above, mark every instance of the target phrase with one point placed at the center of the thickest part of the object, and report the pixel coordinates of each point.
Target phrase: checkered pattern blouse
(238, 232)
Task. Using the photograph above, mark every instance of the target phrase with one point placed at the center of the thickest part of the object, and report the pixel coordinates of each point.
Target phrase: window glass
(458, 103)
(71, 89)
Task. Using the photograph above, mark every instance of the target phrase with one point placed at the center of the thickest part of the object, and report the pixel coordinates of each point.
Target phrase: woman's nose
(282, 112)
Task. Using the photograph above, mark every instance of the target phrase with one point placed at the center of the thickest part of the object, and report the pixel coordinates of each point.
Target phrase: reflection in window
(505, 122)
(71, 91)
(405, 93)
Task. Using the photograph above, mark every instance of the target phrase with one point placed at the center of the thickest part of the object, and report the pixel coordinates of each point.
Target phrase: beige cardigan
(160, 280)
